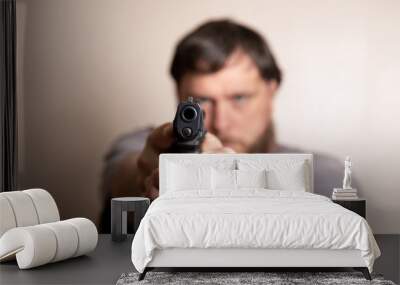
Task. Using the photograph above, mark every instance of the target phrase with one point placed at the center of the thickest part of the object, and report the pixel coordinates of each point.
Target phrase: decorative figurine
(347, 173)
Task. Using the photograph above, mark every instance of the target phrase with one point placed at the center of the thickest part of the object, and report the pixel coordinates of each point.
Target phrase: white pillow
(223, 179)
(251, 178)
(202, 161)
(287, 179)
(181, 178)
(281, 174)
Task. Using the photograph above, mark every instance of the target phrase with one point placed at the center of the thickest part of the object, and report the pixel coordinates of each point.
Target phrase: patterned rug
(269, 278)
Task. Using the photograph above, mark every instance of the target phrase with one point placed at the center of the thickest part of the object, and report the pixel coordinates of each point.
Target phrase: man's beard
(266, 142)
(263, 144)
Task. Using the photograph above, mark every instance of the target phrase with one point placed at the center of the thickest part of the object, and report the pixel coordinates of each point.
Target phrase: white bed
(280, 224)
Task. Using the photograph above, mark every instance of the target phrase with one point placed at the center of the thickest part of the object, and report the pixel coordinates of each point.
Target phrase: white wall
(93, 69)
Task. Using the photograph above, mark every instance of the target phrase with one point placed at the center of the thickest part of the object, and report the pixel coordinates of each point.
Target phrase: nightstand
(358, 206)
(119, 208)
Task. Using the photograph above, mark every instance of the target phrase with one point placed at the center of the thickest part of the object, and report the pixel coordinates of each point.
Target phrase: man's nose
(221, 117)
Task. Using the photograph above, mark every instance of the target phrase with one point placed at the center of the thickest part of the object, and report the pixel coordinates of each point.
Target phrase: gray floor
(103, 266)
(389, 262)
(110, 260)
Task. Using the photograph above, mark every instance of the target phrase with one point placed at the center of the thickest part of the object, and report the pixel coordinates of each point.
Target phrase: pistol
(188, 127)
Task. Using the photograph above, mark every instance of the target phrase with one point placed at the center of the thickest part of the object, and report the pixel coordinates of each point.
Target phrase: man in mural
(230, 69)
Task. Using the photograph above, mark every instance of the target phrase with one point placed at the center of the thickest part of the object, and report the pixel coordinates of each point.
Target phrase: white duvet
(250, 218)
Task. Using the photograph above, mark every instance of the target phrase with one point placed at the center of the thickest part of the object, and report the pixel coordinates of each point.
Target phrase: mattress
(251, 219)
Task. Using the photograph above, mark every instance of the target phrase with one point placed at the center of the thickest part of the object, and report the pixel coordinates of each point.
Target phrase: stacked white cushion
(7, 219)
(281, 174)
(27, 208)
(223, 179)
(41, 244)
(292, 172)
(32, 246)
(87, 235)
(45, 205)
(23, 208)
(186, 174)
(31, 232)
(187, 178)
(67, 240)
(251, 178)
(202, 160)
(211, 174)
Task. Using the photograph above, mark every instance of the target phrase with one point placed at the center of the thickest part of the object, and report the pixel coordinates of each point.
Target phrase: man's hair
(206, 49)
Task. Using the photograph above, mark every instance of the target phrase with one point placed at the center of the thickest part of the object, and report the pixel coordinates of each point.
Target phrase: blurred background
(89, 71)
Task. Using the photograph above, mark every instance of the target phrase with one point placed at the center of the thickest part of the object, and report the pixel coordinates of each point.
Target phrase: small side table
(358, 206)
(119, 208)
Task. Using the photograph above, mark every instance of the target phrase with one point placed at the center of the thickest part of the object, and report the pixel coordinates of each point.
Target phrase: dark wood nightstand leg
(364, 271)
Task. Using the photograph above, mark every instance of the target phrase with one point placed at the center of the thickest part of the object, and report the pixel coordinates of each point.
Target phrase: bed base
(250, 259)
(363, 270)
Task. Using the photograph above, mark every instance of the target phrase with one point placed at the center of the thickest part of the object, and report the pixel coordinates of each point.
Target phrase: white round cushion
(23, 208)
(67, 239)
(41, 244)
(7, 218)
(45, 205)
(33, 246)
(26, 208)
(87, 233)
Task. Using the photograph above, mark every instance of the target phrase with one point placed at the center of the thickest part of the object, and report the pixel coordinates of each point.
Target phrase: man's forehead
(240, 59)
(239, 74)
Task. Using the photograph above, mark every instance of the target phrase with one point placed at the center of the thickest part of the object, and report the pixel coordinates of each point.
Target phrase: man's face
(236, 99)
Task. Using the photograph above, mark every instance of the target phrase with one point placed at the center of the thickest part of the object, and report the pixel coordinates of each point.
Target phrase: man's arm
(123, 182)
(131, 166)
(120, 165)
(119, 172)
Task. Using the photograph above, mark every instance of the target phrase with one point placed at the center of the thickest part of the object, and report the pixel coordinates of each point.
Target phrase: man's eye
(239, 98)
